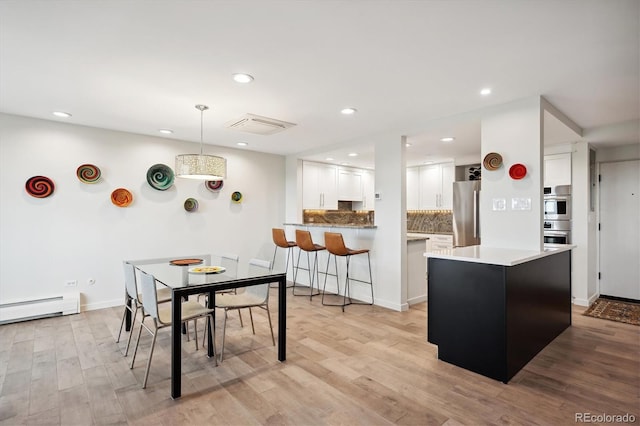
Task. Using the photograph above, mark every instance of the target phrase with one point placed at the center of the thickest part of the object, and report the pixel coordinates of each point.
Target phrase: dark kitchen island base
(492, 318)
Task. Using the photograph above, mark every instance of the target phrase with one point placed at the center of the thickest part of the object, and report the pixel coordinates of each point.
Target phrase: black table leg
(211, 303)
(282, 318)
(176, 346)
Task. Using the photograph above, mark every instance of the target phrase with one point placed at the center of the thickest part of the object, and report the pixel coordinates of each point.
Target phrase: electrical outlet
(91, 281)
(71, 283)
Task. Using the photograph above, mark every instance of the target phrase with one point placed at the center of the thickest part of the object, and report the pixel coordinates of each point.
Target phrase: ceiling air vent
(258, 125)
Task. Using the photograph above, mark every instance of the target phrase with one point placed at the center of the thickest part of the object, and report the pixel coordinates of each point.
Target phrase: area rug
(615, 310)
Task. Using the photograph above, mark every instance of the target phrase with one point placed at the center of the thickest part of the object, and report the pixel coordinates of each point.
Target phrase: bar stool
(280, 240)
(306, 244)
(335, 246)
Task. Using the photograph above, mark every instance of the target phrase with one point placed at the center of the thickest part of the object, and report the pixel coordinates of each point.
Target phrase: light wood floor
(368, 366)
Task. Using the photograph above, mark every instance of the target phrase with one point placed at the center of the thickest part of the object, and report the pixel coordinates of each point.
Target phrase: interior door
(620, 229)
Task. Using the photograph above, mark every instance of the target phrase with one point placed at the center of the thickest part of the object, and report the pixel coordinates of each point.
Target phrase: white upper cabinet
(368, 189)
(319, 186)
(413, 188)
(557, 169)
(435, 187)
(448, 177)
(349, 184)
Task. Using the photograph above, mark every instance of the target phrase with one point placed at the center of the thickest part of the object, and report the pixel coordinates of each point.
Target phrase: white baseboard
(102, 305)
(418, 299)
(585, 302)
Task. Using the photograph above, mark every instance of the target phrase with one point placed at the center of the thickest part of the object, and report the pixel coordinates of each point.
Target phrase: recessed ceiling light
(407, 144)
(61, 114)
(447, 139)
(166, 131)
(242, 144)
(353, 154)
(486, 91)
(329, 159)
(242, 78)
(348, 111)
(344, 164)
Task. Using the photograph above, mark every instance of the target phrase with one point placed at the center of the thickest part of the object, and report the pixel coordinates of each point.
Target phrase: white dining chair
(161, 317)
(133, 300)
(256, 296)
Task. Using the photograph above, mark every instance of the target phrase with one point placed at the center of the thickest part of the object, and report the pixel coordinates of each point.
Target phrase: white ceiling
(139, 66)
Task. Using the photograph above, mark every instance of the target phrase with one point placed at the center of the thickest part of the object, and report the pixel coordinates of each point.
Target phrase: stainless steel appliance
(557, 202)
(557, 232)
(466, 213)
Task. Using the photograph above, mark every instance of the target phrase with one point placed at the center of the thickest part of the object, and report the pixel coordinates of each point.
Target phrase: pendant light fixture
(201, 166)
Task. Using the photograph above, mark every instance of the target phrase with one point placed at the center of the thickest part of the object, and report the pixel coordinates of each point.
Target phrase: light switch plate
(499, 204)
(521, 204)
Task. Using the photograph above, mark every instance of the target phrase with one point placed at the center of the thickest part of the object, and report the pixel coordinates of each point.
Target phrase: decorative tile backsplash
(338, 217)
(430, 221)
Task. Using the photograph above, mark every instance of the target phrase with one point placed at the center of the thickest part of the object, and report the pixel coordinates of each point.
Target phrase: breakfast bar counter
(491, 310)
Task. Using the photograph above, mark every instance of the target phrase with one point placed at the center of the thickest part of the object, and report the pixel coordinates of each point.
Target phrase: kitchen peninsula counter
(332, 225)
(491, 310)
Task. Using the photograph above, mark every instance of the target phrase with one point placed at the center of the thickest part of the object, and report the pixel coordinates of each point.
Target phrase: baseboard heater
(28, 309)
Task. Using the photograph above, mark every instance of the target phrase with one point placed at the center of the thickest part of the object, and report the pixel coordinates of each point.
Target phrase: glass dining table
(184, 283)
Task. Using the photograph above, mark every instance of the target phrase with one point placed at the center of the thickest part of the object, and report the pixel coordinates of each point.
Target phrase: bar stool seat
(336, 247)
(280, 240)
(306, 244)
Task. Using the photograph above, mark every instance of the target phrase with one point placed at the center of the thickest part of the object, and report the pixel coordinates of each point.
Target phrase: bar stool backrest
(130, 280)
(304, 241)
(335, 244)
(149, 295)
(279, 237)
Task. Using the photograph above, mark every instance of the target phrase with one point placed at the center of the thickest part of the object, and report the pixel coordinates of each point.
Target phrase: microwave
(557, 207)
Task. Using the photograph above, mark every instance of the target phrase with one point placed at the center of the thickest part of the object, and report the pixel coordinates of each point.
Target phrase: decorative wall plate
(214, 185)
(121, 197)
(88, 173)
(236, 197)
(517, 171)
(160, 177)
(492, 161)
(191, 204)
(39, 186)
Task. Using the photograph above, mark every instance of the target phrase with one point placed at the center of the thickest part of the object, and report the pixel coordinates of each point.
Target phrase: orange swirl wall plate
(121, 197)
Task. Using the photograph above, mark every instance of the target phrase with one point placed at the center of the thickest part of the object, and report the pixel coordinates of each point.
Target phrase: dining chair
(133, 300)
(161, 316)
(256, 296)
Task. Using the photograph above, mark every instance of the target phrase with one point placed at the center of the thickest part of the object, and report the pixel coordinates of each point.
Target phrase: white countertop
(497, 256)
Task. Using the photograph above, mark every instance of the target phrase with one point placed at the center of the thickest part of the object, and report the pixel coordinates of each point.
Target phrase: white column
(514, 131)
(391, 218)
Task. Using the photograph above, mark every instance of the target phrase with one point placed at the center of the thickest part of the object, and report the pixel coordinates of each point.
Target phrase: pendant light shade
(201, 166)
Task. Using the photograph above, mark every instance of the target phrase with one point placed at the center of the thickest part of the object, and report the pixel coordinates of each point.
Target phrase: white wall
(78, 234)
(514, 131)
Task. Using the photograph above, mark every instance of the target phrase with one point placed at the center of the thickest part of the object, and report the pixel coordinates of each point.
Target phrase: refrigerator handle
(475, 214)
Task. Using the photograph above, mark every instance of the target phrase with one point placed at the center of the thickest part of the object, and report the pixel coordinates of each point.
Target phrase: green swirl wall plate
(160, 177)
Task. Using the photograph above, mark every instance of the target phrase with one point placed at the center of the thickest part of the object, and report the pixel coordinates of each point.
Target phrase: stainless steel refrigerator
(466, 213)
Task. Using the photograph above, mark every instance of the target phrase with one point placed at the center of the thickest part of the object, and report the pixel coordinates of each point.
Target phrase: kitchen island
(491, 310)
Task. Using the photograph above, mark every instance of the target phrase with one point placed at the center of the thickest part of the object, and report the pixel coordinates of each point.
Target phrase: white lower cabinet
(440, 241)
